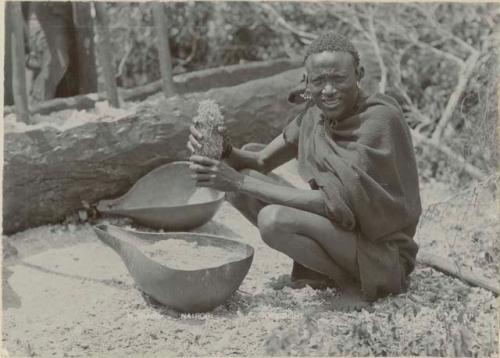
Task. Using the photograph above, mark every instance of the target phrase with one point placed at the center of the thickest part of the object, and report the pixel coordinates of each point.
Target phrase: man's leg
(311, 240)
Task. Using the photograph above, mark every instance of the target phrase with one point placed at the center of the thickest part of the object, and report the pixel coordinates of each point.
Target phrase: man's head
(333, 73)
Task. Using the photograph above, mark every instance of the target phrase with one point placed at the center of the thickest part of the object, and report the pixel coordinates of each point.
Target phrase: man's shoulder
(381, 108)
(379, 103)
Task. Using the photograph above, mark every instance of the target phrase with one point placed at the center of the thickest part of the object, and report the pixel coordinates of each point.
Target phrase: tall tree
(163, 48)
(105, 55)
(17, 54)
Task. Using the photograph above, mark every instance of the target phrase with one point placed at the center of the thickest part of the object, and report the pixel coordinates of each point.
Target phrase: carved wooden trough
(166, 198)
(199, 290)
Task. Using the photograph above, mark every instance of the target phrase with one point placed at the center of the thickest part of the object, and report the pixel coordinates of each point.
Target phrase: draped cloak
(365, 168)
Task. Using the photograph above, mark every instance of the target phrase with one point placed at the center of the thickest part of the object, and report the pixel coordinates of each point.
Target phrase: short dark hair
(332, 41)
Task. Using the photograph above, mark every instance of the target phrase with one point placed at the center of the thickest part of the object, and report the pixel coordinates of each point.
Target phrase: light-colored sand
(72, 296)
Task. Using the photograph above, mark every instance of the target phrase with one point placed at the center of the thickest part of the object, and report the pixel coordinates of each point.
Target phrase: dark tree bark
(105, 54)
(84, 47)
(163, 48)
(18, 57)
(49, 173)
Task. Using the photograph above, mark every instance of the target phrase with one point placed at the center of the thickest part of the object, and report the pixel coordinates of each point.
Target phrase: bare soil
(67, 294)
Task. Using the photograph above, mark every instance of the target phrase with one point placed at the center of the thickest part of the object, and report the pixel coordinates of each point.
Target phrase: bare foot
(285, 281)
(300, 272)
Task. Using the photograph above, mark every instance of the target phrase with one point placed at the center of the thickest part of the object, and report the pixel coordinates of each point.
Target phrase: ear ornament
(307, 95)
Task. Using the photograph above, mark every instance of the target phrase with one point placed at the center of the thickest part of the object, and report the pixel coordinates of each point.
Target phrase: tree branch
(373, 37)
(456, 159)
(306, 36)
(398, 84)
(343, 16)
(440, 52)
(465, 73)
(437, 26)
(194, 48)
(124, 59)
(452, 269)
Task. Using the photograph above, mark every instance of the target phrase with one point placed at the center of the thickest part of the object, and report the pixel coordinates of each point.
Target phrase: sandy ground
(67, 294)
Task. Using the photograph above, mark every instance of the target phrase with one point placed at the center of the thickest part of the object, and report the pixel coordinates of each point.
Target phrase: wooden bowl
(166, 198)
(199, 290)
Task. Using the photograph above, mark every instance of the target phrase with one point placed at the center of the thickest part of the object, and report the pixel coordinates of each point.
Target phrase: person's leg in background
(55, 25)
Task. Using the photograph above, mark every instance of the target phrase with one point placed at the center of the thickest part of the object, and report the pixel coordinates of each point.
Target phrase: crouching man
(355, 226)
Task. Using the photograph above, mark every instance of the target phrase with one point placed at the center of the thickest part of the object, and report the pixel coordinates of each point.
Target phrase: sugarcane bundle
(209, 122)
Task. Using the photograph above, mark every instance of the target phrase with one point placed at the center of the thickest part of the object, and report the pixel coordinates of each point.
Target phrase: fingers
(206, 184)
(194, 142)
(190, 147)
(196, 134)
(200, 168)
(203, 177)
(198, 159)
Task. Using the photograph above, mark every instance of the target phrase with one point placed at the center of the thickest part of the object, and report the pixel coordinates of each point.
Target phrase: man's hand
(215, 174)
(195, 137)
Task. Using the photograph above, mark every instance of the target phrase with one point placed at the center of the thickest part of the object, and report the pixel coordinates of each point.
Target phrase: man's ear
(304, 78)
(360, 72)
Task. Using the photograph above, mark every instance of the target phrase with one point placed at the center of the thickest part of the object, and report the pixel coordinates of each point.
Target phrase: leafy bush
(422, 54)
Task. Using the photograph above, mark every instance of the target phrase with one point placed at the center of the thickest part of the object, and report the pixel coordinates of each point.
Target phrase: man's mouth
(330, 101)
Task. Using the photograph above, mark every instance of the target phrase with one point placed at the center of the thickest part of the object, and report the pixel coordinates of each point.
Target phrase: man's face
(332, 78)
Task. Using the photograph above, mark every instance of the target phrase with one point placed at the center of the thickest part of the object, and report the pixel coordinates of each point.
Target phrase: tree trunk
(8, 92)
(163, 49)
(49, 173)
(18, 61)
(105, 55)
(84, 48)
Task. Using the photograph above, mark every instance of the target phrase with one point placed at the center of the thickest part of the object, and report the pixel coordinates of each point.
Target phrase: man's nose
(329, 89)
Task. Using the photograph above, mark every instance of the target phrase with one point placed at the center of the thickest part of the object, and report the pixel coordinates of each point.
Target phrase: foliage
(437, 59)
(201, 35)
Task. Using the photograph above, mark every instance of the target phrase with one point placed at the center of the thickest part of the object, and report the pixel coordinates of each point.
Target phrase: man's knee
(253, 147)
(272, 223)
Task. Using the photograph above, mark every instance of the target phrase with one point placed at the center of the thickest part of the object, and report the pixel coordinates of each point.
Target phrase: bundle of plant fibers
(207, 122)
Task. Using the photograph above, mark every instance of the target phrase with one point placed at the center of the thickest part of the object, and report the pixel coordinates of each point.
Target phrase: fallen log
(469, 276)
(49, 174)
(184, 83)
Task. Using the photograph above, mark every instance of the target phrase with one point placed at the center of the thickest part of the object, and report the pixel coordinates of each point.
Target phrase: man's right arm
(270, 157)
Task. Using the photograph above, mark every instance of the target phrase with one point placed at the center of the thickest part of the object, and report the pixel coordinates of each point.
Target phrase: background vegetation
(438, 60)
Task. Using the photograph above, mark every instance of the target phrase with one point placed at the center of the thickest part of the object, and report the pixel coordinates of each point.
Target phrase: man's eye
(318, 81)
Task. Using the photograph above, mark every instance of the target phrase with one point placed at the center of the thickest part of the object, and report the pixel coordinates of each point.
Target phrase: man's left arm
(303, 199)
(219, 175)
